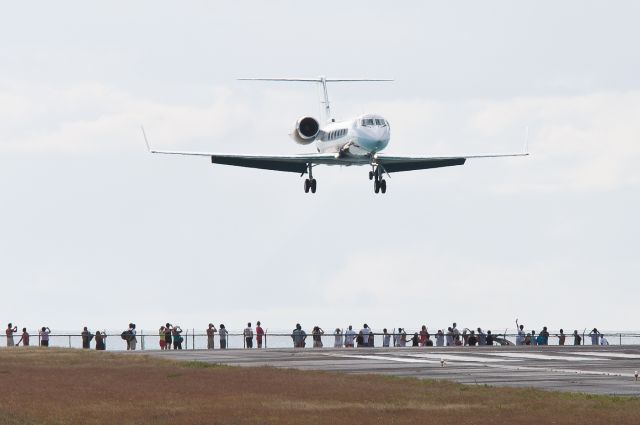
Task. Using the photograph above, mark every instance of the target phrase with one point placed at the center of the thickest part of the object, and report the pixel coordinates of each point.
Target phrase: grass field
(60, 386)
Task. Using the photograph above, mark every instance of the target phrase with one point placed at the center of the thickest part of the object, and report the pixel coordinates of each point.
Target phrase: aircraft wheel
(313, 185)
(376, 186)
(307, 185)
(370, 175)
(383, 186)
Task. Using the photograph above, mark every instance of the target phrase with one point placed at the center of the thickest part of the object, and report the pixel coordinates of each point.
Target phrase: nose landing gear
(379, 184)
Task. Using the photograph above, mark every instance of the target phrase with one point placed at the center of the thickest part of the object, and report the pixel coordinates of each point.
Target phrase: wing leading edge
(394, 164)
(289, 163)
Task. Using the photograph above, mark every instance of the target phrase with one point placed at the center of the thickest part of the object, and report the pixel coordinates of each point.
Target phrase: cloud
(578, 143)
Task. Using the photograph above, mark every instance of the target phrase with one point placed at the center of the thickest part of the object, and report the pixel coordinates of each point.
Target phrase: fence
(192, 340)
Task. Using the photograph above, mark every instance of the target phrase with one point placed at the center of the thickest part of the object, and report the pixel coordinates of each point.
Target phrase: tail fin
(321, 80)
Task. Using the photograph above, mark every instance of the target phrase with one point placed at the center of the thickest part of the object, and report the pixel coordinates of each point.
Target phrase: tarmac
(587, 369)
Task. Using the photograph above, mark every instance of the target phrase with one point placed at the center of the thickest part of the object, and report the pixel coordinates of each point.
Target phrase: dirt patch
(60, 386)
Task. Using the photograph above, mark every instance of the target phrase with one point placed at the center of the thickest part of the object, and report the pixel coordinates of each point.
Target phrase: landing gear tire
(307, 185)
(370, 175)
(383, 186)
(313, 185)
(376, 186)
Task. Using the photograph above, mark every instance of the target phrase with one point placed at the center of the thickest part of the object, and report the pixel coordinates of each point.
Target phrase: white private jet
(358, 141)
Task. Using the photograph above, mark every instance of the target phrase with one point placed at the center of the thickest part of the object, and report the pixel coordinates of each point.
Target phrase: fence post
(186, 340)
(69, 341)
(620, 339)
(142, 339)
(265, 339)
(193, 338)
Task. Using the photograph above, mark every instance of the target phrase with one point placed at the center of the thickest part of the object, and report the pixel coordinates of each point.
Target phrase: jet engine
(306, 130)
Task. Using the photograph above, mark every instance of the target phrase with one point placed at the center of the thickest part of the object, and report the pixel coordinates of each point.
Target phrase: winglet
(145, 139)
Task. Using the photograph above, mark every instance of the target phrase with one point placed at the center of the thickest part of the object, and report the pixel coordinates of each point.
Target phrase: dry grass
(79, 387)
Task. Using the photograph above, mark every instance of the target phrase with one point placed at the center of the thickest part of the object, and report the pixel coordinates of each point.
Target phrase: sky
(96, 231)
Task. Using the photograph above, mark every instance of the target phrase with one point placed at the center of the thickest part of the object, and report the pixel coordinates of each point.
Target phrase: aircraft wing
(394, 164)
(291, 163)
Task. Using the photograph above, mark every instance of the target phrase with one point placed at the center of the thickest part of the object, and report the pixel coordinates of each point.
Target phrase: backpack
(125, 335)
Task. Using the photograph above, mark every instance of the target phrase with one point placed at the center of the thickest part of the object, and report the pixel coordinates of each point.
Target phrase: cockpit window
(367, 122)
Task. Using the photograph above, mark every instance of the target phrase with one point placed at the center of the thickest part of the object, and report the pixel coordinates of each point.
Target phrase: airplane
(357, 141)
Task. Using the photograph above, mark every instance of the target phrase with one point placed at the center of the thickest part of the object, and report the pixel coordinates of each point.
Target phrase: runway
(588, 369)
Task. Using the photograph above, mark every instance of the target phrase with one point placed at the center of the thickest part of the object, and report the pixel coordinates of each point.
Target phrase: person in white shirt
(248, 335)
(603, 340)
(44, 336)
(337, 343)
(456, 334)
(386, 338)
(349, 336)
(365, 335)
(521, 334)
(449, 337)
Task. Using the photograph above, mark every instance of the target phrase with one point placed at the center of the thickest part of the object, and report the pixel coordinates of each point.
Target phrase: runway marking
(386, 358)
(461, 358)
(535, 356)
(614, 355)
(488, 365)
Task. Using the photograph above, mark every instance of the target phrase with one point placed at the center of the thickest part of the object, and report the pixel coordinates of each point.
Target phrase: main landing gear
(310, 183)
(379, 184)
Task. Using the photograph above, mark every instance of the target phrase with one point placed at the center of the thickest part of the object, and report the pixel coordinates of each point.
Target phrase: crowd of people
(170, 337)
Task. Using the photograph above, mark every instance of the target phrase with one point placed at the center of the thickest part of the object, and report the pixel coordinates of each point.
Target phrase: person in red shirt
(423, 336)
(259, 334)
(25, 338)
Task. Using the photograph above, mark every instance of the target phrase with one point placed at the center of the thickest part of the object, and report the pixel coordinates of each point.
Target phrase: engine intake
(306, 130)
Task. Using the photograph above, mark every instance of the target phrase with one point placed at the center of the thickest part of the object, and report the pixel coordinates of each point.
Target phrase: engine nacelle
(307, 128)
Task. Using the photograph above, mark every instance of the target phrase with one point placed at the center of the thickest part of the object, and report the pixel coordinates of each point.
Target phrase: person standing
(489, 339)
(472, 340)
(349, 336)
(561, 337)
(10, 331)
(338, 337)
(44, 336)
(24, 339)
(211, 330)
(299, 336)
(248, 336)
(316, 334)
(101, 338)
(577, 339)
(163, 344)
(259, 334)
(440, 338)
(168, 332)
(544, 340)
(86, 338)
(177, 337)
(450, 336)
(456, 334)
(132, 341)
(386, 338)
(595, 336)
(482, 337)
(365, 336)
(521, 334)
(223, 337)
(423, 336)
